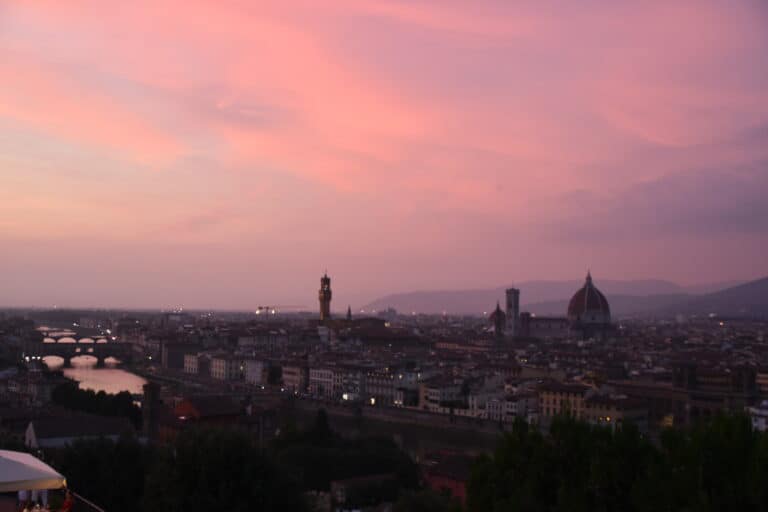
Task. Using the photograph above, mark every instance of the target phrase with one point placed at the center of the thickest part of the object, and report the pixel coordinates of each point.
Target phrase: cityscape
(383, 256)
(443, 387)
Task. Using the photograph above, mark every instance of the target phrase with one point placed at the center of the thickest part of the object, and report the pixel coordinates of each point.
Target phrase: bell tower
(324, 296)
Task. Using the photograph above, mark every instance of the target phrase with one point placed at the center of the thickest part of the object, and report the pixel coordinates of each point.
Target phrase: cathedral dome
(498, 316)
(589, 305)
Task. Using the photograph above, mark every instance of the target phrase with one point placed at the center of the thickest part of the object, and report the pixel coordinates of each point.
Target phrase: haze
(224, 154)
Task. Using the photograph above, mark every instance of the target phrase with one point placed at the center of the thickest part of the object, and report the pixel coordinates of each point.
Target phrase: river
(110, 379)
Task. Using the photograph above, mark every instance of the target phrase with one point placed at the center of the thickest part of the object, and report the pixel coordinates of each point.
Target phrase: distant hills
(637, 297)
(621, 305)
(748, 299)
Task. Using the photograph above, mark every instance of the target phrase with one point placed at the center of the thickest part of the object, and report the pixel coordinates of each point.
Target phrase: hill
(749, 299)
(621, 305)
(545, 296)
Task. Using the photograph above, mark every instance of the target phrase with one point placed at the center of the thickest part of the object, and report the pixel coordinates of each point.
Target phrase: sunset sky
(224, 154)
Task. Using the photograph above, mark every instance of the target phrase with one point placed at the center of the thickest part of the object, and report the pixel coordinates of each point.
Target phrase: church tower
(499, 320)
(513, 311)
(325, 297)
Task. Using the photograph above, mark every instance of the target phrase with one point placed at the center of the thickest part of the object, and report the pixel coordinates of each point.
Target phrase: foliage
(219, 470)
(224, 469)
(721, 465)
(69, 395)
(319, 456)
(426, 501)
(106, 472)
(11, 441)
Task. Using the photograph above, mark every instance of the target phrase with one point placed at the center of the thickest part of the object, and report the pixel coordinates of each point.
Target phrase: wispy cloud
(369, 128)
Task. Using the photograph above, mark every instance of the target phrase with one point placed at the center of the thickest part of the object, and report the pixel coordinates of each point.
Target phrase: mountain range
(636, 297)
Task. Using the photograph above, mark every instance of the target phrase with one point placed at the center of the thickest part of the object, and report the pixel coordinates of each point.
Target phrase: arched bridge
(67, 348)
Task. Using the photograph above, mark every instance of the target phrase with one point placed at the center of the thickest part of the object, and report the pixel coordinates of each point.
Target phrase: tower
(499, 321)
(324, 296)
(513, 311)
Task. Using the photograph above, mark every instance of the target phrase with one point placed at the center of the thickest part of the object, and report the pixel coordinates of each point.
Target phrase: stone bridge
(67, 348)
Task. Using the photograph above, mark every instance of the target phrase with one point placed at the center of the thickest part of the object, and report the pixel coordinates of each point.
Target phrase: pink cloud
(430, 125)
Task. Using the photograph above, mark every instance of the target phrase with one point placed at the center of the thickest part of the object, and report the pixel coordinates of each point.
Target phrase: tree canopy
(70, 396)
(720, 465)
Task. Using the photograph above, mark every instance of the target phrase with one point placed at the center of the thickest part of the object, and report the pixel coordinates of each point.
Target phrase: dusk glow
(224, 154)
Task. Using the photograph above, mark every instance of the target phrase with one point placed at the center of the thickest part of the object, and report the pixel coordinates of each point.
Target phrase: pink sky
(223, 154)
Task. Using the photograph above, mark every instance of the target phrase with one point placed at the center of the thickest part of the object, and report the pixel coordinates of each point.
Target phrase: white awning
(21, 471)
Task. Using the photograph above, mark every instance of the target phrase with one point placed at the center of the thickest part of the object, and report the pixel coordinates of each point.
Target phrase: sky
(225, 154)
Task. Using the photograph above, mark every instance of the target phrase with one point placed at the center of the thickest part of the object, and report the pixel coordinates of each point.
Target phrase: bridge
(67, 347)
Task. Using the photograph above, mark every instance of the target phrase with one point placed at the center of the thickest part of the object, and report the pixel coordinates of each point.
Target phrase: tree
(111, 474)
(319, 456)
(720, 465)
(70, 396)
(425, 501)
(219, 470)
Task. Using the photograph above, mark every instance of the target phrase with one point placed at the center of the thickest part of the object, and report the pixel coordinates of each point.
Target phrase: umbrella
(21, 471)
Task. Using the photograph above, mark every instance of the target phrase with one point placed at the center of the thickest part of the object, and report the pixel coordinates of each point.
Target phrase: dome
(589, 305)
(498, 315)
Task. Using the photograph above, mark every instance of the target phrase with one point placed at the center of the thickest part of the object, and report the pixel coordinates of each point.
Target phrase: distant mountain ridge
(621, 305)
(748, 299)
(551, 298)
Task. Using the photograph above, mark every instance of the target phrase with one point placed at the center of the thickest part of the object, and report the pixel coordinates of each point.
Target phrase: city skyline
(221, 156)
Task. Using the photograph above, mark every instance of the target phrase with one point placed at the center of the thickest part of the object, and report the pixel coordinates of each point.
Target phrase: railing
(87, 502)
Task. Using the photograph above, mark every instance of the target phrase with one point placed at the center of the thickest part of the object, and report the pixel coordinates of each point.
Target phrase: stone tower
(513, 311)
(324, 295)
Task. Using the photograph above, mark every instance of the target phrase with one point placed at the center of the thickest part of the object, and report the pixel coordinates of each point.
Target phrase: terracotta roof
(588, 299)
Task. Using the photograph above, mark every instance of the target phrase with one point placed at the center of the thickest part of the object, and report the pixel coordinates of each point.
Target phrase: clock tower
(324, 296)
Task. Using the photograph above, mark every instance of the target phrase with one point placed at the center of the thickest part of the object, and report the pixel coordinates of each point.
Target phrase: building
(588, 316)
(588, 311)
(513, 311)
(447, 473)
(227, 367)
(614, 412)
(210, 410)
(439, 393)
(263, 339)
(543, 327)
(380, 388)
(324, 296)
(353, 380)
(254, 372)
(325, 382)
(172, 354)
(759, 416)
(558, 399)
(191, 365)
(507, 408)
(295, 377)
(57, 432)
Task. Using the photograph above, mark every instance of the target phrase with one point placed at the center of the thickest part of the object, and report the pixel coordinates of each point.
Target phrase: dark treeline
(70, 396)
(319, 456)
(720, 465)
(225, 469)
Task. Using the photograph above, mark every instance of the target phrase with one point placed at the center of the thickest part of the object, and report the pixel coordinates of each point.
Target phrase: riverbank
(111, 379)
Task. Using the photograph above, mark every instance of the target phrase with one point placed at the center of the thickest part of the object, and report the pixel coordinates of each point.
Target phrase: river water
(110, 379)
